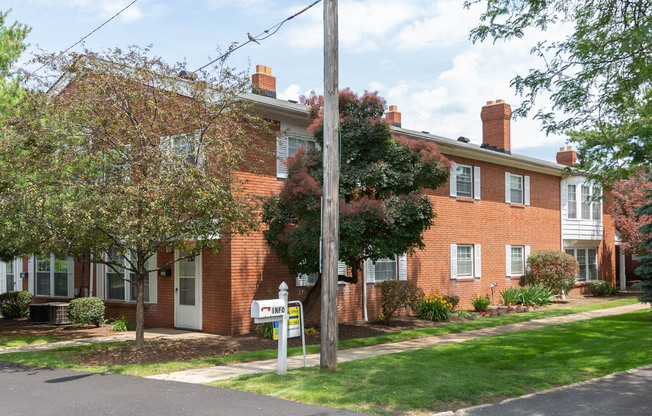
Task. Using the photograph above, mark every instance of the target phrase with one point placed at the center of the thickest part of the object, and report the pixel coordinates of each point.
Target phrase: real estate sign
(294, 323)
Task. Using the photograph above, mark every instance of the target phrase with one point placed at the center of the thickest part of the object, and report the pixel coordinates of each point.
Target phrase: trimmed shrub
(453, 300)
(15, 304)
(434, 308)
(86, 311)
(398, 294)
(601, 288)
(481, 303)
(552, 269)
(464, 314)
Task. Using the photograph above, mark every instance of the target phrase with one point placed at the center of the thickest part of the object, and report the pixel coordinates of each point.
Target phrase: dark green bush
(453, 300)
(86, 311)
(15, 304)
(602, 288)
(481, 303)
(398, 294)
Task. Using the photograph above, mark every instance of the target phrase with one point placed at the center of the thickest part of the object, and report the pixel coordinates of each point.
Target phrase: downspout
(561, 224)
(364, 294)
(91, 278)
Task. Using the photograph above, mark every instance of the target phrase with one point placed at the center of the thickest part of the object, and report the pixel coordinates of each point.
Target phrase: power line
(261, 36)
(93, 31)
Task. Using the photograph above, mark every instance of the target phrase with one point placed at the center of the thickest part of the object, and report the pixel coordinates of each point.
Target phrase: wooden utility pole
(330, 205)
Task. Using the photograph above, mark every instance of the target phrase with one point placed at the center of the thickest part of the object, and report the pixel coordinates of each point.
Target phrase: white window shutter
(526, 189)
(281, 157)
(477, 265)
(564, 198)
(476, 182)
(402, 267)
(453, 261)
(99, 284)
(153, 279)
(508, 260)
(71, 277)
(31, 277)
(341, 268)
(453, 180)
(508, 188)
(527, 254)
(370, 269)
(3, 276)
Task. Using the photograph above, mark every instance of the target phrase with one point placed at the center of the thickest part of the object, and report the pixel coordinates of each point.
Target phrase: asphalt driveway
(27, 390)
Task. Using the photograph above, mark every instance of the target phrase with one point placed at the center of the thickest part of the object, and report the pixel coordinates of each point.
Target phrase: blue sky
(415, 53)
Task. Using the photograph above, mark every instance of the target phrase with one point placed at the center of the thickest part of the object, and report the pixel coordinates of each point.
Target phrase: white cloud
(363, 25)
(106, 8)
(291, 93)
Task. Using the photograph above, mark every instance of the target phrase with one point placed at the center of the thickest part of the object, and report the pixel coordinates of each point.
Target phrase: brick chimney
(393, 117)
(263, 83)
(567, 156)
(496, 117)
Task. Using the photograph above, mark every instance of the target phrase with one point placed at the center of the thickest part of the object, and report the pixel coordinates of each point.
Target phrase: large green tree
(12, 45)
(644, 271)
(599, 78)
(383, 211)
(122, 158)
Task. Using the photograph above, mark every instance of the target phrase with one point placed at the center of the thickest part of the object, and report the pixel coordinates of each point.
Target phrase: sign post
(277, 311)
(283, 330)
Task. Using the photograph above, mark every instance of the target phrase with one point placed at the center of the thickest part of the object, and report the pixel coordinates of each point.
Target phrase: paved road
(621, 394)
(26, 390)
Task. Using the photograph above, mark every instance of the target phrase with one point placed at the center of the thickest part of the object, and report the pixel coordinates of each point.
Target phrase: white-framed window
(8, 275)
(516, 260)
(311, 279)
(517, 189)
(54, 276)
(572, 201)
(466, 261)
(184, 147)
(587, 258)
(589, 199)
(286, 147)
(382, 270)
(465, 181)
(117, 279)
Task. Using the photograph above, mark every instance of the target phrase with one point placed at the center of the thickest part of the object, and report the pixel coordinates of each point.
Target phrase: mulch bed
(158, 350)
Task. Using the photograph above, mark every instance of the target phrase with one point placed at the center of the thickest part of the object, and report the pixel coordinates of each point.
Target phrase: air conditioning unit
(59, 313)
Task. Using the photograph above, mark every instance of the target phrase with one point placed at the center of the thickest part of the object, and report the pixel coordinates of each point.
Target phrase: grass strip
(473, 372)
(19, 340)
(45, 358)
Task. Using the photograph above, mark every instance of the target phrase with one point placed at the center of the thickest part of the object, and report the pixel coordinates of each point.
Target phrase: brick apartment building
(496, 208)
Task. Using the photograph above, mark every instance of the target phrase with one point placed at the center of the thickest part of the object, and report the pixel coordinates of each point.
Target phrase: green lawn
(71, 357)
(18, 340)
(472, 372)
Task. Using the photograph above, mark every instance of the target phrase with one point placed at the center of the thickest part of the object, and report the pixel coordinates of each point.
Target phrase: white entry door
(187, 292)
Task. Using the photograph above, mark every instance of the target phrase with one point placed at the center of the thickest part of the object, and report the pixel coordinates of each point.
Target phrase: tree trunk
(312, 298)
(140, 310)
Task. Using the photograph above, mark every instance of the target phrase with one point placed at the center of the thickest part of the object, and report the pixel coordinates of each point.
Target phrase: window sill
(515, 277)
(124, 302)
(464, 278)
(467, 199)
(514, 205)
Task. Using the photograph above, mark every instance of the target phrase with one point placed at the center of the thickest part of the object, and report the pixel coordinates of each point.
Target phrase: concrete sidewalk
(165, 333)
(208, 374)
